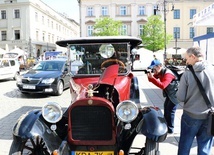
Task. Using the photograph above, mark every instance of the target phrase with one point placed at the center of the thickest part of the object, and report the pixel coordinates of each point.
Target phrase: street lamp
(162, 6)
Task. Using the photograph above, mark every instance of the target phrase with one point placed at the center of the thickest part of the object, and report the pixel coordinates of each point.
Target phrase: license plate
(92, 153)
(28, 87)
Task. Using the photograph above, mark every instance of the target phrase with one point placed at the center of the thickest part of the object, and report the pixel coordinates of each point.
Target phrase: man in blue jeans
(195, 111)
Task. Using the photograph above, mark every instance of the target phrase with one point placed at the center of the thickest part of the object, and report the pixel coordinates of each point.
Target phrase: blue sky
(69, 7)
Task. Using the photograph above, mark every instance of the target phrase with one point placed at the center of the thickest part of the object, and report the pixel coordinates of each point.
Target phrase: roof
(134, 41)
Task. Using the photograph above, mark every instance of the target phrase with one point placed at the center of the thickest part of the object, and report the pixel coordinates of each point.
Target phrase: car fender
(153, 124)
(31, 124)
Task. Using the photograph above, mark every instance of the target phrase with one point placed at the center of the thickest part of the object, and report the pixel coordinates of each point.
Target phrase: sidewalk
(152, 95)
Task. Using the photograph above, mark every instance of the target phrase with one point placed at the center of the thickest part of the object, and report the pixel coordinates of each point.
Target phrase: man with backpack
(165, 79)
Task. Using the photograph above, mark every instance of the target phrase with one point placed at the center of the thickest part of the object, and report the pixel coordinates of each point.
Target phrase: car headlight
(52, 112)
(48, 81)
(127, 111)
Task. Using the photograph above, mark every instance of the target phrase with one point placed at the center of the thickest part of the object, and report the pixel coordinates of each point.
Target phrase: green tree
(107, 27)
(153, 34)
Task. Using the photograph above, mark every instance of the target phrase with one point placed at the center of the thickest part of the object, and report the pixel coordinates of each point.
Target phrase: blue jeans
(191, 128)
(169, 114)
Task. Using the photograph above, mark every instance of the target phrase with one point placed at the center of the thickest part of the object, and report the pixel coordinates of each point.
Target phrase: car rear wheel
(60, 88)
(35, 146)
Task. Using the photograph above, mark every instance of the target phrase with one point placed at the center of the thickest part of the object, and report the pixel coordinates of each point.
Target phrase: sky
(69, 7)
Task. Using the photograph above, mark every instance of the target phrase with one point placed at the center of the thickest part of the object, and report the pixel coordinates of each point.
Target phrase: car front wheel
(60, 88)
(35, 146)
(151, 147)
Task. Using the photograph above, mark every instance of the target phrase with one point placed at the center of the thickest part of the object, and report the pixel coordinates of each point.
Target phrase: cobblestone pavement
(13, 104)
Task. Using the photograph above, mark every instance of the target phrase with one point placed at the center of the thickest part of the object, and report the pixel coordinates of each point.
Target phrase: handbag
(210, 127)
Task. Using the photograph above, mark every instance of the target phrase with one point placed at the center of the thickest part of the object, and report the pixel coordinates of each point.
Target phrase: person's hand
(149, 75)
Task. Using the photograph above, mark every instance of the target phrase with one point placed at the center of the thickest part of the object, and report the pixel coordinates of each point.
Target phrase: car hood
(42, 74)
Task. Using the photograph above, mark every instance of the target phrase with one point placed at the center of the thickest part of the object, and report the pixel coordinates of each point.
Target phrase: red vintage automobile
(104, 116)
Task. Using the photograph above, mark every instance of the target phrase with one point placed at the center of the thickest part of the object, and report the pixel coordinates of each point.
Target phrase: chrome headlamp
(52, 112)
(127, 111)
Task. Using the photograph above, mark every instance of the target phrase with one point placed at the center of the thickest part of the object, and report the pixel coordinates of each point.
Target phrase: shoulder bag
(210, 127)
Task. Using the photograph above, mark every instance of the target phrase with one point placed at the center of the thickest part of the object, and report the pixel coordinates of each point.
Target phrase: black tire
(34, 146)
(151, 147)
(60, 88)
(134, 90)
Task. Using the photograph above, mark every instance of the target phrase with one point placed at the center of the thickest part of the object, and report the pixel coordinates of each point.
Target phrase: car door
(5, 70)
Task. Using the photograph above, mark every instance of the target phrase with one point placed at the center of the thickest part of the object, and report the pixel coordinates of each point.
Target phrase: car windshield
(49, 66)
(94, 58)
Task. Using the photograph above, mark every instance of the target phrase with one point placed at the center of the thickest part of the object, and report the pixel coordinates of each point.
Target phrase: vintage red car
(104, 115)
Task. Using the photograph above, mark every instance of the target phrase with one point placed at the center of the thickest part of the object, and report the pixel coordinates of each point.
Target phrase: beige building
(134, 14)
(33, 26)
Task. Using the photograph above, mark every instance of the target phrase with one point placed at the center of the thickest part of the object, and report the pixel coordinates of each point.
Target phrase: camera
(148, 71)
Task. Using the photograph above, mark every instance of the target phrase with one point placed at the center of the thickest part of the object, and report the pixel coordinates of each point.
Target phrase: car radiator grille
(30, 81)
(91, 123)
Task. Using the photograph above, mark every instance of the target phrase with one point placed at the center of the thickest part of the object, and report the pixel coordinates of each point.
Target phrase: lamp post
(162, 6)
(176, 43)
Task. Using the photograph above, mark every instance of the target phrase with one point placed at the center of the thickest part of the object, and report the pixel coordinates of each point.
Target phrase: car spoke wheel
(60, 88)
(151, 147)
(35, 146)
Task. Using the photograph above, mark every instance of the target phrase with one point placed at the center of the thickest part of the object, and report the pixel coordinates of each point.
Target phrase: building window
(3, 35)
(52, 38)
(192, 13)
(176, 33)
(17, 34)
(36, 16)
(140, 30)
(43, 36)
(48, 21)
(3, 14)
(123, 10)
(191, 32)
(16, 13)
(209, 30)
(89, 11)
(49, 38)
(176, 14)
(43, 20)
(141, 10)
(104, 11)
(123, 30)
(56, 26)
(90, 30)
(37, 35)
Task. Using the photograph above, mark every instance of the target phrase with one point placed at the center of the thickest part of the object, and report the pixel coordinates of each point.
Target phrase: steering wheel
(113, 61)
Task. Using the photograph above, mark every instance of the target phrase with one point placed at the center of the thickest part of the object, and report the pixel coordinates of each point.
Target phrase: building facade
(134, 14)
(33, 26)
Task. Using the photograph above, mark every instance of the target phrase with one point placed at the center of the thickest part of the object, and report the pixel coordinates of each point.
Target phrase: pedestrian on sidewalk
(165, 80)
(153, 61)
(195, 110)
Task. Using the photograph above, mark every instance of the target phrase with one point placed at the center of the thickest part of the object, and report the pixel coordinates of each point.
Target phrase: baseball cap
(154, 63)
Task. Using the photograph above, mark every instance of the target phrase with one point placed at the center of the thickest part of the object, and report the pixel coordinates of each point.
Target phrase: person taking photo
(166, 80)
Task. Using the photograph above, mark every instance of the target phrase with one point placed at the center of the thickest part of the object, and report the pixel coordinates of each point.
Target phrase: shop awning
(205, 17)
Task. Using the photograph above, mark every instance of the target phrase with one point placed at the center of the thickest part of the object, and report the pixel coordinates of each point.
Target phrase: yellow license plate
(92, 153)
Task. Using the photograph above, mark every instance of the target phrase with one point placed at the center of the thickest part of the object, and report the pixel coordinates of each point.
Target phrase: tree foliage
(153, 34)
(107, 27)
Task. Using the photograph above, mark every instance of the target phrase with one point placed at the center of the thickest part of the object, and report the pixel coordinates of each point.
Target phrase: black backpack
(177, 71)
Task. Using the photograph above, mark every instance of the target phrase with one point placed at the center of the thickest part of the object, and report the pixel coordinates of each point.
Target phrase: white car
(9, 68)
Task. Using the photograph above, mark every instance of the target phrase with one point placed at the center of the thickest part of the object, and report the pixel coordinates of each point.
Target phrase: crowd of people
(194, 120)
